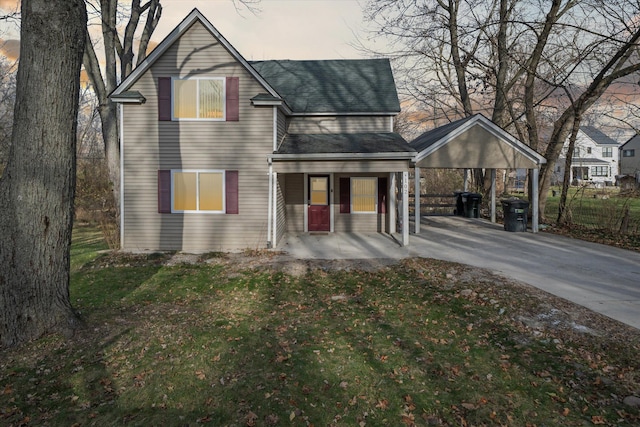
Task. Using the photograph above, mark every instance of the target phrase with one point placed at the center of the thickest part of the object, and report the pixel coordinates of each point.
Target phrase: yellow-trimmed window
(364, 195)
(198, 191)
(199, 99)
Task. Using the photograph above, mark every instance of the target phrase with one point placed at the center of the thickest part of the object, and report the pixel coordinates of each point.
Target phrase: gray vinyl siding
(281, 218)
(150, 145)
(294, 200)
(357, 223)
(339, 124)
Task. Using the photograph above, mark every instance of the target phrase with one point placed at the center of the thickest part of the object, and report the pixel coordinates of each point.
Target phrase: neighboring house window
(588, 150)
(364, 195)
(600, 171)
(198, 98)
(607, 152)
(628, 153)
(204, 191)
(203, 98)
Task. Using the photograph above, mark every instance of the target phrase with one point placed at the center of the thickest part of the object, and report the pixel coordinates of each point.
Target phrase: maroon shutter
(382, 195)
(164, 191)
(345, 195)
(164, 98)
(233, 99)
(231, 191)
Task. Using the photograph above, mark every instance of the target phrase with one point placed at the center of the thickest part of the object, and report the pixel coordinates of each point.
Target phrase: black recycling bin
(516, 213)
(472, 205)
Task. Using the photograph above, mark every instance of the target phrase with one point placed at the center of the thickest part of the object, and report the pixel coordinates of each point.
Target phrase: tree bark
(37, 188)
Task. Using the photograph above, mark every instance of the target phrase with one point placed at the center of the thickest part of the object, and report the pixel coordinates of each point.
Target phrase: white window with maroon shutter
(199, 98)
(198, 191)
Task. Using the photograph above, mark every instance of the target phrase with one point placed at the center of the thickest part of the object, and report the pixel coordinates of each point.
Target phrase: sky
(280, 29)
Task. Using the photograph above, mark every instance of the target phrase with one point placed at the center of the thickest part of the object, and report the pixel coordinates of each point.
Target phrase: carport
(475, 142)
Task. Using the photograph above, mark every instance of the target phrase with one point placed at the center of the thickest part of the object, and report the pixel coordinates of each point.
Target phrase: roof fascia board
(409, 155)
(127, 100)
(377, 113)
(177, 32)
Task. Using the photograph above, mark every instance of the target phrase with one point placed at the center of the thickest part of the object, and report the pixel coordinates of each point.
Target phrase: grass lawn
(246, 340)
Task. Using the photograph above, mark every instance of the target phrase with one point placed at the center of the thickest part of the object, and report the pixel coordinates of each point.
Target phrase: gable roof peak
(194, 16)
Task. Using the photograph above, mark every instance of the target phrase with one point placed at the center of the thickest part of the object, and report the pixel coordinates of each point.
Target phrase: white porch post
(493, 195)
(466, 180)
(536, 201)
(274, 204)
(405, 208)
(270, 242)
(393, 202)
(416, 201)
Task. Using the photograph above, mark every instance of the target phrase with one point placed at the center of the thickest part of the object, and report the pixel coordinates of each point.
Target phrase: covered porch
(339, 183)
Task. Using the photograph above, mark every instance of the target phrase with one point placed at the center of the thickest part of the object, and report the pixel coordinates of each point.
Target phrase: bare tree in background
(7, 101)
(512, 60)
(37, 187)
(118, 49)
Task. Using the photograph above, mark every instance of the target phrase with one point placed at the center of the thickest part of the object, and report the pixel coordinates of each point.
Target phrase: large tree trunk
(37, 188)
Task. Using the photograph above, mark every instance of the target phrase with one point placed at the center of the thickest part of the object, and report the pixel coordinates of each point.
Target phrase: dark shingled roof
(363, 143)
(597, 136)
(333, 86)
(434, 135)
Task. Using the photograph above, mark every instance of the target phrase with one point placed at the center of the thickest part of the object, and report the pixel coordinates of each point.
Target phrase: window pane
(319, 190)
(211, 105)
(184, 99)
(211, 184)
(184, 191)
(363, 194)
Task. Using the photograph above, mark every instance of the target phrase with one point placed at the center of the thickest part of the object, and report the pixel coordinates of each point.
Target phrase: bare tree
(7, 101)
(116, 50)
(512, 59)
(37, 187)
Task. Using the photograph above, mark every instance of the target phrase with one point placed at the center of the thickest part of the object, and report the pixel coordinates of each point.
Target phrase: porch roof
(366, 144)
(578, 161)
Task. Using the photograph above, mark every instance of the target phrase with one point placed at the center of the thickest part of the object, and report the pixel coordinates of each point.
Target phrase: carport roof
(473, 142)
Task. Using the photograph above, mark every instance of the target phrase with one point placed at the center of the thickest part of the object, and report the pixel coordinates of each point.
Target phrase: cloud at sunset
(9, 4)
(10, 48)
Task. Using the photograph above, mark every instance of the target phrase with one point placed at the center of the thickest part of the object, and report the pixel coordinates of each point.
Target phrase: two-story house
(220, 153)
(630, 158)
(594, 161)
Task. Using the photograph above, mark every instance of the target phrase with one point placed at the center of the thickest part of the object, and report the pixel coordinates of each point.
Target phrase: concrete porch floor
(603, 278)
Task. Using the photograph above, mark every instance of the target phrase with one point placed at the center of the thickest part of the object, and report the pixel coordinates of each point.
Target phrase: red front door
(319, 206)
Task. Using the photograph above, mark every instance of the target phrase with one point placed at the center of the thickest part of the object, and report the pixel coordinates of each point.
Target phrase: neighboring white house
(595, 159)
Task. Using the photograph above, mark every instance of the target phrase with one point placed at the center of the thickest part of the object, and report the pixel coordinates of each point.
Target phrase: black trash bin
(461, 199)
(472, 205)
(516, 213)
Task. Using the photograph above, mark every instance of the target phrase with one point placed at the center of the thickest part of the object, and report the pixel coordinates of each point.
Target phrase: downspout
(270, 212)
(121, 131)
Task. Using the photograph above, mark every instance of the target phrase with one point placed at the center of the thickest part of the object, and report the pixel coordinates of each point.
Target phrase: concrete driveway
(602, 278)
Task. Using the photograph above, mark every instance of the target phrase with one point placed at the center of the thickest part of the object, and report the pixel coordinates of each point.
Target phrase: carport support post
(466, 180)
(416, 198)
(493, 195)
(405, 208)
(536, 201)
